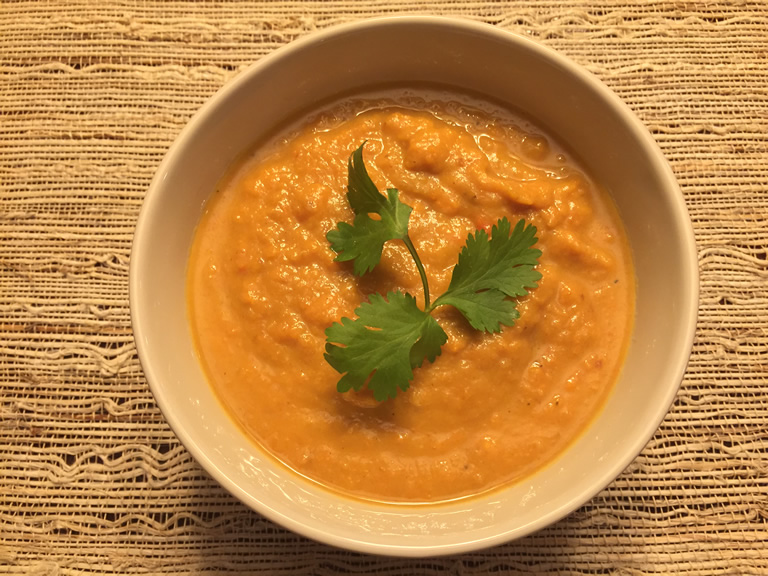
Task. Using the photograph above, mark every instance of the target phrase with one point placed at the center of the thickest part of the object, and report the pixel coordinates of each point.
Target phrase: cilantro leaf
(381, 347)
(364, 239)
(491, 270)
(486, 310)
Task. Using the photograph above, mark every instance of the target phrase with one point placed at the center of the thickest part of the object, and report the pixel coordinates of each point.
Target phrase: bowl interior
(568, 101)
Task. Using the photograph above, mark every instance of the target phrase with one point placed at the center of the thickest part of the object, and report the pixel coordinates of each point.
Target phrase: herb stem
(420, 268)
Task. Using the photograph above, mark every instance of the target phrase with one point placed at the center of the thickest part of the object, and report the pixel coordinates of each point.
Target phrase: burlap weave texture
(92, 480)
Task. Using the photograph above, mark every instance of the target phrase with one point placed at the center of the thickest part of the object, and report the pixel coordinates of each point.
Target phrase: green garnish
(392, 335)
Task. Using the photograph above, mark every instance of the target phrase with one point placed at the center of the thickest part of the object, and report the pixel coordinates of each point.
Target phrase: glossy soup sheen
(263, 287)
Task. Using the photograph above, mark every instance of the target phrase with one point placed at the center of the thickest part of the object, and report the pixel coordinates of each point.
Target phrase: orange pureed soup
(263, 287)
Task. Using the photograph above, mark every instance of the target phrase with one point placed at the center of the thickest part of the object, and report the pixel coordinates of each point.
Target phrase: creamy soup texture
(263, 287)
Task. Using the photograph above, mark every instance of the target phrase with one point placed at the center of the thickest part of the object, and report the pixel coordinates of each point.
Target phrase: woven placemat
(92, 480)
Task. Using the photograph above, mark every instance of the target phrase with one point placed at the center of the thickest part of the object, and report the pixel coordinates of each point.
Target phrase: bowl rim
(687, 244)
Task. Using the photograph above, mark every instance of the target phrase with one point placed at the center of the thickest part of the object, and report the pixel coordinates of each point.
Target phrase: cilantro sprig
(391, 335)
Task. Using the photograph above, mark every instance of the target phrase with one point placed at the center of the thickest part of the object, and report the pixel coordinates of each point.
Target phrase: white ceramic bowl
(563, 97)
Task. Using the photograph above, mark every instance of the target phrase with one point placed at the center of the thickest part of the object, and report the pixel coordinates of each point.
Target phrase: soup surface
(263, 287)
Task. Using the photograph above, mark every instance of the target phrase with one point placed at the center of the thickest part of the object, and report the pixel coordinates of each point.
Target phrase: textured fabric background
(92, 480)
